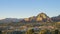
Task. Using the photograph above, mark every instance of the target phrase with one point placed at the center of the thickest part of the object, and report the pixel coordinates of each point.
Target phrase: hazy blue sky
(27, 8)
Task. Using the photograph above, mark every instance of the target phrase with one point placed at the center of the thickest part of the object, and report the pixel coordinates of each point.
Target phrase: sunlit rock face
(39, 19)
(42, 17)
(33, 18)
(26, 19)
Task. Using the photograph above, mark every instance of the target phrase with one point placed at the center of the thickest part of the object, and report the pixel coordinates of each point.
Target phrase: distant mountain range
(56, 18)
(9, 20)
(42, 17)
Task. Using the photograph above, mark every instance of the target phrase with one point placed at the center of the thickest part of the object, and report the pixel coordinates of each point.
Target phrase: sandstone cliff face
(33, 18)
(26, 19)
(41, 17)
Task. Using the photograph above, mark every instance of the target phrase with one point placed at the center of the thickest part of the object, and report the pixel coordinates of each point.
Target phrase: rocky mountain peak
(43, 15)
